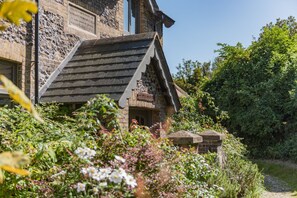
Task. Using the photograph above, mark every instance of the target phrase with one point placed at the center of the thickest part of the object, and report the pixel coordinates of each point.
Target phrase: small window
(143, 116)
(131, 16)
(8, 69)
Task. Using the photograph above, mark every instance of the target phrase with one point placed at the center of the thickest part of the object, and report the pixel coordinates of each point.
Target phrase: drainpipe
(37, 55)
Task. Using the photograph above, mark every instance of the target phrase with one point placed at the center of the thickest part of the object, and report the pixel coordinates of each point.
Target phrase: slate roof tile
(103, 66)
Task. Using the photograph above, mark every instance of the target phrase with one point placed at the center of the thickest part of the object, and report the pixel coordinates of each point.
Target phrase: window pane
(126, 15)
(6, 69)
(133, 17)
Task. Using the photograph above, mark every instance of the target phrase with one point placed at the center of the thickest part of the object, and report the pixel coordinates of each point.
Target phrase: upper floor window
(131, 16)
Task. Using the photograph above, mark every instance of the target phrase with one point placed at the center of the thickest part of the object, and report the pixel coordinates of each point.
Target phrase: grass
(285, 171)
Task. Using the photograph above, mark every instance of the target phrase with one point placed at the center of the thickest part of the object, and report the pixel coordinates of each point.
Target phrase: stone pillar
(212, 142)
(185, 139)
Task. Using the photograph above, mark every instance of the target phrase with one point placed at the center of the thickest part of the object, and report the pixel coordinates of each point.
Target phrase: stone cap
(184, 138)
(212, 135)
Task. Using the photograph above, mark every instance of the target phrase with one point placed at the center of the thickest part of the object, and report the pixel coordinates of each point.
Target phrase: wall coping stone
(185, 138)
(212, 135)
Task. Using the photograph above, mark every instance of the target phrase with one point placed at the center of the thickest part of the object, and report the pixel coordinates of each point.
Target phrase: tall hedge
(257, 85)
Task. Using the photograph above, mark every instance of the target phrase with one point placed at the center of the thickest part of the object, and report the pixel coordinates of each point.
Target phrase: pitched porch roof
(108, 66)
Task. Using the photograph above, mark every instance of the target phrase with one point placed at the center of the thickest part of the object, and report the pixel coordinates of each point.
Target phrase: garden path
(276, 188)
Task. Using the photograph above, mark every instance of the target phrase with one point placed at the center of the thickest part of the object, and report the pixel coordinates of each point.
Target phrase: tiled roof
(103, 66)
(108, 66)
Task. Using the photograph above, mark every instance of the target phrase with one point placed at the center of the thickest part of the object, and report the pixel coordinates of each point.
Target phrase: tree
(257, 84)
(192, 74)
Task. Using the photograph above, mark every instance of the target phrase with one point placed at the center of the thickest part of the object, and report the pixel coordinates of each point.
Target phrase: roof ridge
(120, 39)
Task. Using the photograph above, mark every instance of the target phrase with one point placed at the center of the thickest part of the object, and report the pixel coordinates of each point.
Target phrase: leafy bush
(239, 177)
(257, 86)
(198, 112)
(286, 150)
(75, 156)
(100, 111)
(191, 75)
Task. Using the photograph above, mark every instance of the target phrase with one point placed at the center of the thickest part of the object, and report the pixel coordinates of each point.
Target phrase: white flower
(116, 176)
(92, 171)
(102, 174)
(122, 172)
(120, 159)
(79, 151)
(103, 184)
(131, 181)
(85, 153)
(84, 171)
(105, 171)
(221, 189)
(98, 176)
(81, 187)
(90, 153)
(58, 174)
(95, 190)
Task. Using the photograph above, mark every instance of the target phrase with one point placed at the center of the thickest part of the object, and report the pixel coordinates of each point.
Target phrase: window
(8, 69)
(131, 16)
(143, 116)
(82, 19)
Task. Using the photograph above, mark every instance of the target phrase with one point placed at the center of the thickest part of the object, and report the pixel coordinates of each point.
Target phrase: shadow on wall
(106, 9)
(98, 7)
(29, 64)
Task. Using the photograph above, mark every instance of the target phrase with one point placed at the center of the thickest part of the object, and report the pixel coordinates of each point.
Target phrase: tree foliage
(198, 112)
(192, 74)
(239, 177)
(257, 84)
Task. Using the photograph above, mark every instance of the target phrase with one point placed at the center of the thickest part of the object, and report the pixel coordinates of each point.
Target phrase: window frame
(4, 96)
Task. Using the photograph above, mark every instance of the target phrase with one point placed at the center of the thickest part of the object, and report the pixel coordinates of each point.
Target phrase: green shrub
(257, 86)
(69, 155)
(197, 113)
(286, 150)
(239, 177)
(58, 167)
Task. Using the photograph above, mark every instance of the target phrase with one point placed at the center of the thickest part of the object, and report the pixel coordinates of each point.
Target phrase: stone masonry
(57, 37)
(207, 141)
(150, 84)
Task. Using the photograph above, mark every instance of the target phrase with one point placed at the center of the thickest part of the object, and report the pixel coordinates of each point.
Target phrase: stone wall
(150, 84)
(57, 37)
(148, 21)
(124, 117)
(55, 44)
(16, 46)
(205, 142)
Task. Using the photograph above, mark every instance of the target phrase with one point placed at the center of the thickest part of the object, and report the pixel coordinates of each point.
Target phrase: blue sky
(201, 24)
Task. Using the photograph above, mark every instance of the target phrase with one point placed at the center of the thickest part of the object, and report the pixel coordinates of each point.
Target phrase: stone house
(77, 49)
